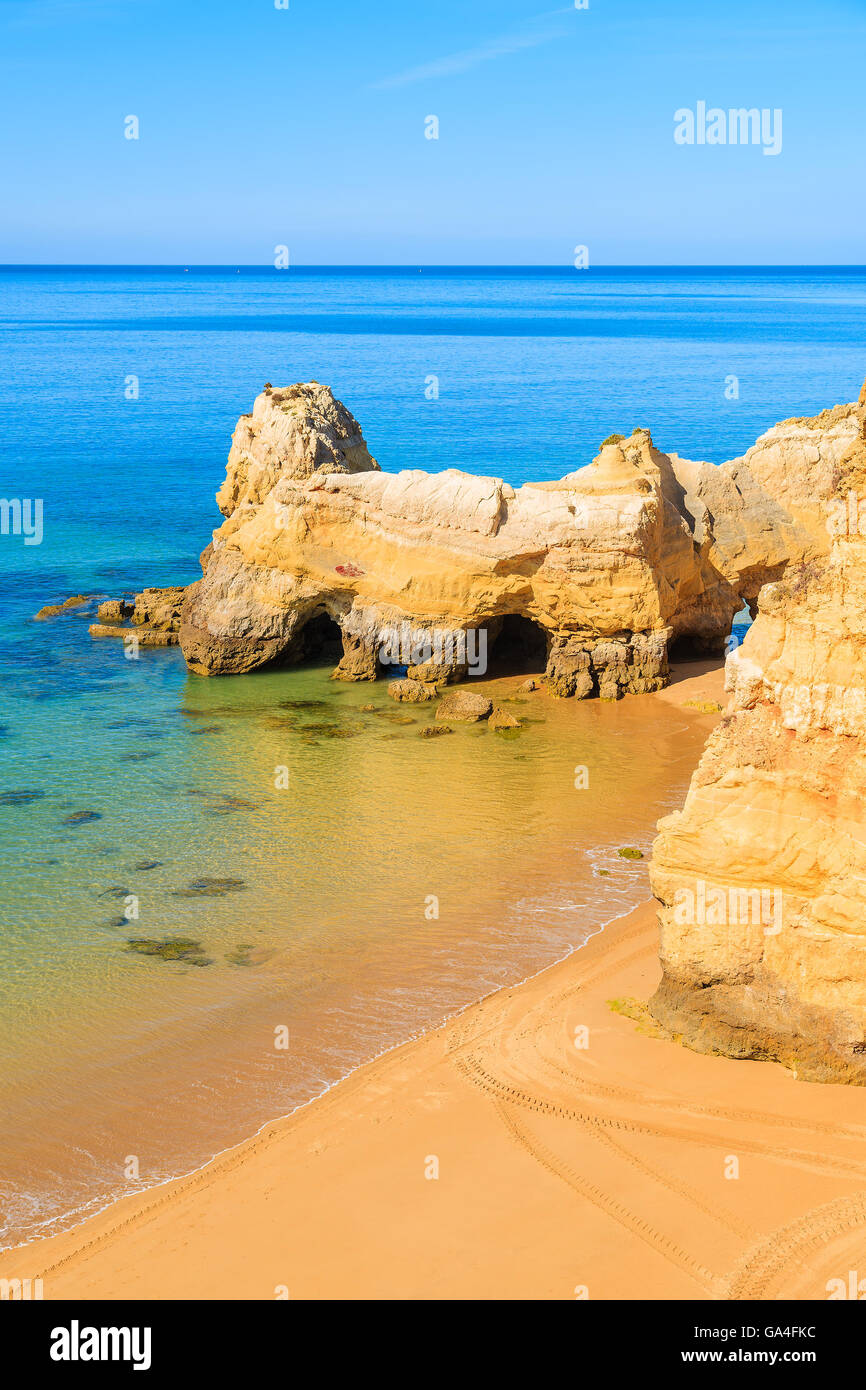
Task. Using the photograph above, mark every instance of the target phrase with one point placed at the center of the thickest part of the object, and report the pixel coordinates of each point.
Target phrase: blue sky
(305, 127)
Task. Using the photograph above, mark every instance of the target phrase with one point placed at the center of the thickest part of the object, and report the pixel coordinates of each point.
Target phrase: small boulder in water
(412, 691)
(501, 719)
(464, 706)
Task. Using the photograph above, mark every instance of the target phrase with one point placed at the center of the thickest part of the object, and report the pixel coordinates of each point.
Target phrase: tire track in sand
(663, 1245)
(486, 1081)
(762, 1268)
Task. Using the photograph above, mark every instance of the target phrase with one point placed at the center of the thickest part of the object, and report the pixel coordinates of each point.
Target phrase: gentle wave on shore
(395, 880)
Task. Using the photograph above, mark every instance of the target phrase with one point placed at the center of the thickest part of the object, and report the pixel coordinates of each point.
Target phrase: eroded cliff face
(764, 505)
(612, 562)
(761, 876)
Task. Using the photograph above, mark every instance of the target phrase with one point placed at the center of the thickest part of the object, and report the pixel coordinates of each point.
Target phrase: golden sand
(546, 1143)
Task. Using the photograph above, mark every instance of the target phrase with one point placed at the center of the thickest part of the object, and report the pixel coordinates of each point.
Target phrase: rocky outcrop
(152, 618)
(115, 610)
(159, 609)
(765, 508)
(53, 610)
(292, 433)
(439, 573)
(761, 877)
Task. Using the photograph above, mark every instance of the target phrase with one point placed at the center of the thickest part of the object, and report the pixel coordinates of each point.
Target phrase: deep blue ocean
(107, 1054)
(534, 369)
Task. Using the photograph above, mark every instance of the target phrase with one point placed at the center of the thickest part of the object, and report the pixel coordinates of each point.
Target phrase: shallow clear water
(107, 1055)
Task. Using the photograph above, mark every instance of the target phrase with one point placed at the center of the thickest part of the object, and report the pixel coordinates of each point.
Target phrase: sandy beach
(433, 656)
(546, 1143)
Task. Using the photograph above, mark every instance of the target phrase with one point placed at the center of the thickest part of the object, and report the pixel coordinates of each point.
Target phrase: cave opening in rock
(686, 647)
(321, 640)
(520, 648)
(692, 646)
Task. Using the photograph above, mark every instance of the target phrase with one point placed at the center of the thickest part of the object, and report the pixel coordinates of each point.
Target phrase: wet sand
(499, 1157)
(110, 1054)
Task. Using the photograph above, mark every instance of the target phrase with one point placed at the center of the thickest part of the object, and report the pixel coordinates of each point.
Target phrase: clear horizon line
(564, 267)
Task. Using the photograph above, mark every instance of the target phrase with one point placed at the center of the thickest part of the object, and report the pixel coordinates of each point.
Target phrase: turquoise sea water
(107, 1056)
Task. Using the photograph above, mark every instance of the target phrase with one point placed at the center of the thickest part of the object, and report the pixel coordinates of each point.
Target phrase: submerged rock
(241, 954)
(227, 805)
(435, 730)
(175, 948)
(210, 888)
(82, 817)
(502, 719)
(327, 730)
(51, 610)
(220, 803)
(629, 852)
(25, 797)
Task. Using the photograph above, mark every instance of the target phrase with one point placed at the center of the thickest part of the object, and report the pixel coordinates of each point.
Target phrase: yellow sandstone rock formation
(603, 569)
(762, 876)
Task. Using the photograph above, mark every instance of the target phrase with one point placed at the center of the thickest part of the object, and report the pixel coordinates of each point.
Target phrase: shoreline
(560, 881)
(138, 1198)
(585, 916)
(700, 680)
(559, 1169)
(277, 1210)
(179, 1178)
(496, 1156)
(136, 1207)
